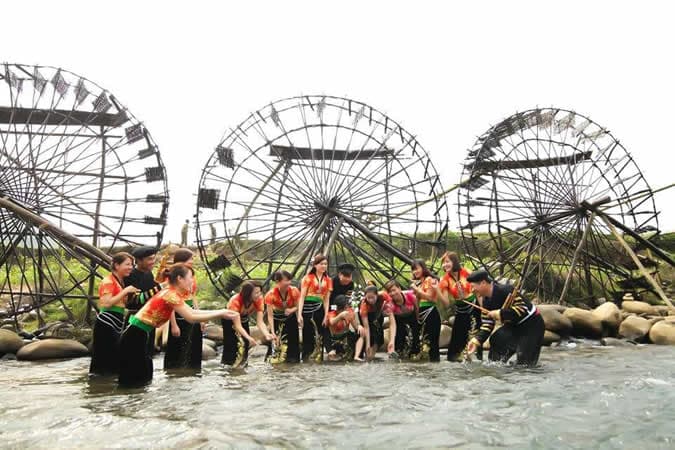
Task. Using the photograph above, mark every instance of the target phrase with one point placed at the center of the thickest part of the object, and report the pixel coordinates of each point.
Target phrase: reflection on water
(579, 398)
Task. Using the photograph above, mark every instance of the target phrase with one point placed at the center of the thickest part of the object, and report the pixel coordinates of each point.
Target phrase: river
(582, 396)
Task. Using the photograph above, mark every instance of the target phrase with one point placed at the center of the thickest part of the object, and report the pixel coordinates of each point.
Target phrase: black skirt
(430, 333)
(105, 358)
(135, 361)
(313, 332)
(235, 348)
(288, 347)
(376, 327)
(151, 340)
(467, 324)
(184, 351)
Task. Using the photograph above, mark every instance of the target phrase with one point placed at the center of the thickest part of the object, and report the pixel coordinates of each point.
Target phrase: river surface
(582, 396)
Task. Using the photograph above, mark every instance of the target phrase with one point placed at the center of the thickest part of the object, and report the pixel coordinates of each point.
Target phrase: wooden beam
(60, 117)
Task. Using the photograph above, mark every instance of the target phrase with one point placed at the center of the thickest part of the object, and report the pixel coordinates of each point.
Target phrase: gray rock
(555, 321)
(635, 328)
(614, 342)
(208, 352)
(52, 349)
(584, 323)
(10, 342)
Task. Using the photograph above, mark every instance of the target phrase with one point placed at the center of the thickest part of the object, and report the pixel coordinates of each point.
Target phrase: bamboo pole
(76, 244)
(582, 242)
(637, 262)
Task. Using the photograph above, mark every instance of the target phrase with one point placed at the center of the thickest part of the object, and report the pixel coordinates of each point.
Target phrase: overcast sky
(446, 73)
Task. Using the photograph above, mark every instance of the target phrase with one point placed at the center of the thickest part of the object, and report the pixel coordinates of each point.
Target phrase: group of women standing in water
(320, 312)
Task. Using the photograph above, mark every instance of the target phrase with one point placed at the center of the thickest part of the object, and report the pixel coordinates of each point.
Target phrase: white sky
(445, 72)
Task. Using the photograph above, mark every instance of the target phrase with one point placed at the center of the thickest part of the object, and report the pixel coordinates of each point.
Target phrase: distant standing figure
(184, 233)
(213, 234)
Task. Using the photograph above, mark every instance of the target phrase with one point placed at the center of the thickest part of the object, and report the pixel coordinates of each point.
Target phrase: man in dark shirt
(142, 278)
(522, 331)
(342, 283)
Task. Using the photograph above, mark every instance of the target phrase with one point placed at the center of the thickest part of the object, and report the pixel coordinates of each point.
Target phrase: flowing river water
(582, 396)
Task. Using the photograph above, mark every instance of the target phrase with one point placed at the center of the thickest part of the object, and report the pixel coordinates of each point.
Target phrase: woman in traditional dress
(454, 287)
(135, 359)
(248, 301)
(341, 338)
(110, 319)
(314, 300)
(425, 286)
(282, 306)
(404, 308)
(373, 308)
(184, 345)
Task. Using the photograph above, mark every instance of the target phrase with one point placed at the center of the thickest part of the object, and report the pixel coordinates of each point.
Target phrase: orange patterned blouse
(274, 298)
(157, 311)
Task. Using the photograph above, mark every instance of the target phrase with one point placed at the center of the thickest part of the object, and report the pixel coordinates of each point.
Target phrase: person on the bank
(342, 338)
(455, 288)
(343, 283)
(236, 344)
(312, 306)
(184, 344)
(135, 360)
(373, 309)
(143, 280)
(404, 308)
(522, 330)
(110, 319)
(282, 307)
(425, 286)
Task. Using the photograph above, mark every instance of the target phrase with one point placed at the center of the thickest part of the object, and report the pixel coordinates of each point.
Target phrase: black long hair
(318, 259)
(246, 292)
(425, 270)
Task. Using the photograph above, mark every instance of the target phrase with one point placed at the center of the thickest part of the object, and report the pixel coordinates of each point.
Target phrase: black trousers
(235, 348)
(184, 351)
(523, 340)
(467, 322)
(135, 361)
(313, 332)
(407, 340)
(430, 333)
(286, 329)
(105, 358)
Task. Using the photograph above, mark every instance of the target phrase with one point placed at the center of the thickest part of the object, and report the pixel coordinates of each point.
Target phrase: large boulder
(555, 321)
(52, 349)
(662, 310)
(663, 333)
(444, 338)
(215, 333)
(257, 334)
(584, 323)
(10, 342)
(635, 328)
(210, 343)
(208, 352)
(550, 337)
(610, 316)
(560, 308)
(59, 330)
(636, 307)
